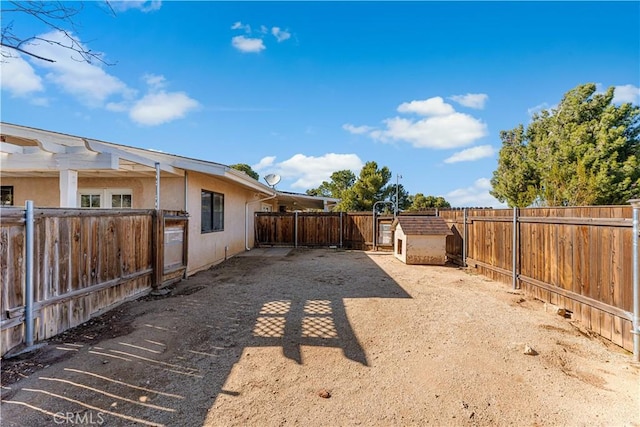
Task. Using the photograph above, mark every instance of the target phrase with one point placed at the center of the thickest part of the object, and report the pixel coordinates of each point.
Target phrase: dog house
(420, 239)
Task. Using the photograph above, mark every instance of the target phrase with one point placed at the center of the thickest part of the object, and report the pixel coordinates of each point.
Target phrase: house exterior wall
(205, 249)
(45, 192)
(400, 244)
(208, 249)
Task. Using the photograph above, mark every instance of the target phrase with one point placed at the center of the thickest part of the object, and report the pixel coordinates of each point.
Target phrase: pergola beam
(43, 161)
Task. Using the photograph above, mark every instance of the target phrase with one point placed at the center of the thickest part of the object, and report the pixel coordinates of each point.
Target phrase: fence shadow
(184, 347)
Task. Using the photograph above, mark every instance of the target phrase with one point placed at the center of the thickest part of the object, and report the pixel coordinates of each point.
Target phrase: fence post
(28, 305)
(295, 230)
(341, 229)
(464, 237)
(515, 249)
(636, 280)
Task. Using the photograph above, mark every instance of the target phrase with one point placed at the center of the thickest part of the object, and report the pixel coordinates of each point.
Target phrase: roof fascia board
(47, 141)
(103, 147)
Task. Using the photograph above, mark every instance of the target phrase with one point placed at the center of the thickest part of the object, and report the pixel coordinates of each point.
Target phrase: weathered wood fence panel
(85, 262)
(353, 230)
(578, 258)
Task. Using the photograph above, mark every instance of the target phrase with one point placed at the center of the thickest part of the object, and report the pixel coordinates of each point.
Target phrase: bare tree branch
(57, 16)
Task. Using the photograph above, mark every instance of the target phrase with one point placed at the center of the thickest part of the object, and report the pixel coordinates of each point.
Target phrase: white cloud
(240, 26)
(155, 82)
(87, 82)
(442, 128)
(279, 34)
(357, 130)
(477, 195)
(626, 93)
(538, 108)
(143, 6)
(264, 163)
(471, 100)
(440, 132)
(310, 171)
(162, 107)
(19, 77)
(247, 44)
(471, 154)
(429, 107)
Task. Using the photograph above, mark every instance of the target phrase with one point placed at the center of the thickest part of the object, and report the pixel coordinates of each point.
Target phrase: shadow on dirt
(175, 363)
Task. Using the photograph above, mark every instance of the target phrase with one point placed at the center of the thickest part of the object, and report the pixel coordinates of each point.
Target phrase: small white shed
(420, 239)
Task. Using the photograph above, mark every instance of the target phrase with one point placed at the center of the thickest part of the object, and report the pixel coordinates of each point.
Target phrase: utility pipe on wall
(636, 279)
(28, 305)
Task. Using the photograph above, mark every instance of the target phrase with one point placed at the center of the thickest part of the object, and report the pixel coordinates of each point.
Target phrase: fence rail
(578, 258)
(84, 263)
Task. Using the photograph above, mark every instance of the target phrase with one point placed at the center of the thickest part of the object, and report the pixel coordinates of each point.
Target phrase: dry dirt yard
(327, 338)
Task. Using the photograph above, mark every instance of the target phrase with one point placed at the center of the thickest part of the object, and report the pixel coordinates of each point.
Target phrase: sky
(303, 89)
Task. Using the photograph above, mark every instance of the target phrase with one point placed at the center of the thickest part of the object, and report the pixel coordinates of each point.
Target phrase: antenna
(272, 179)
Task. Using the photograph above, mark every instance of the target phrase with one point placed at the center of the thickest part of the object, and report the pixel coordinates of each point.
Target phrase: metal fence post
(464, 237)
(636, 280)
(295, 229)
(340, 229)
(515, 249)
(28, 305)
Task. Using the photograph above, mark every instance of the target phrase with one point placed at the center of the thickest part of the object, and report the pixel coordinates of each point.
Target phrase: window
(6, 196)
(90, 200)
(212, 215)
(399, 246)
(117, 198)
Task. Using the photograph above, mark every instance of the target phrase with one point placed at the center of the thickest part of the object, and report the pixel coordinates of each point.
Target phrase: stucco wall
(207, 249)
(45, 192)
(426, 250)
(400, 242)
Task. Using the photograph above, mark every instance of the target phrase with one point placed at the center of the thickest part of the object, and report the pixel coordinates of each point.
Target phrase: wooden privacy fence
(85, 262)
(353, 230)
(578, 258)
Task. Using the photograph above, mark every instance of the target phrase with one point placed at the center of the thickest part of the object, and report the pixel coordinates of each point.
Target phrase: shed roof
(422, 225)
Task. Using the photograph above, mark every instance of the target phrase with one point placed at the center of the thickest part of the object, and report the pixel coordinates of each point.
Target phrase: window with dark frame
(6, 196)
(212, 214)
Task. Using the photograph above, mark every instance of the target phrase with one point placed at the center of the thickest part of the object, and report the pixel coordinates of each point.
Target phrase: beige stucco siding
(400, 244)
(45, 192)
(426, 250)
(207, 249)
(419, 249)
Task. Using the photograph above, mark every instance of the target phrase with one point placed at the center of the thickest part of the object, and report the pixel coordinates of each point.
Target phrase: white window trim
(105, 194)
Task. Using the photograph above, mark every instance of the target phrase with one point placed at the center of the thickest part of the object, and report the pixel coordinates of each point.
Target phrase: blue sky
(303, 89)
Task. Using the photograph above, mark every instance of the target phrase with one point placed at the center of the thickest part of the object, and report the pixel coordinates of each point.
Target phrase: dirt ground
(325, 337)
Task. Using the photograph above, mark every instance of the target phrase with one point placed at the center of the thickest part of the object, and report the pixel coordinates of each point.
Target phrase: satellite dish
(272, 179)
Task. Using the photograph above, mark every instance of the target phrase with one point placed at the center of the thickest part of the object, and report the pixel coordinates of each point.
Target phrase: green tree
(584, 152)
(420, 202)
(370, 187)
(403, 196)
(339, 183)
(243, 167)
(515, 181)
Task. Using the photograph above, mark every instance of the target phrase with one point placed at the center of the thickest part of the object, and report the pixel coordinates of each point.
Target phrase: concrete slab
(267, 252)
